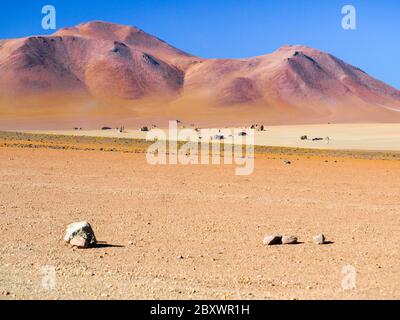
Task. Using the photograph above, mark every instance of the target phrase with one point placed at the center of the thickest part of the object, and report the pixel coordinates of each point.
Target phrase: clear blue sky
(237, 28)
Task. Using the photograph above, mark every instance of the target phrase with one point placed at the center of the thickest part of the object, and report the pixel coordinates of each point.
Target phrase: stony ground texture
(194, 232)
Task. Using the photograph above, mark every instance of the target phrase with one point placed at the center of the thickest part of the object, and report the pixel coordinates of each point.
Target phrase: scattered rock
(289, 240)
(271, 240)
(218, 137)
(80, 235)
(319, 239)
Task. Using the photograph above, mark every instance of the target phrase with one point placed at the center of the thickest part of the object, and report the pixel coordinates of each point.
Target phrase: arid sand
(148, 216)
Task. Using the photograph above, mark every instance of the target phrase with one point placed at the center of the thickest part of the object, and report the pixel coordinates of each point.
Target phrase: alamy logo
(349, 21)
(49, 20)
(349, 279)
(49, 279)
(194, 147)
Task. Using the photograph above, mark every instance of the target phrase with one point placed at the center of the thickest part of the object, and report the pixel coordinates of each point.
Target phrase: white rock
(289, 240)
(80, 234)
(319, 239)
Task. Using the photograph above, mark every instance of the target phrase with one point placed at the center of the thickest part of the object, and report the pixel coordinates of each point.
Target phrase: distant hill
(103, 73)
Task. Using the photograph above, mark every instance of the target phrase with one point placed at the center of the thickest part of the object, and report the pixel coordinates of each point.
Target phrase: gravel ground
(196, 232)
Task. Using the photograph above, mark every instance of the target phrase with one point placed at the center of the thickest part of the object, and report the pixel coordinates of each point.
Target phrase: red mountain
(103, 73)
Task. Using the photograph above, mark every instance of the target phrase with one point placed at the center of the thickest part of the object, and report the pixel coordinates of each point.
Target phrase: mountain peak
(99, 30)
(129, 35)
(112, 62)
(103, 24)
(292, 49)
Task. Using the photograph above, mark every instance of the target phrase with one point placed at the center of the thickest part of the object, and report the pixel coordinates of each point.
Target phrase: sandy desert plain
(196, 232)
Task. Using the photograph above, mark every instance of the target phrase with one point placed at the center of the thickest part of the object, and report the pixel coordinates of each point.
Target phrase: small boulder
(319, 239)
(289, 240)
(80, 235)
(271, 240)
(287, 162)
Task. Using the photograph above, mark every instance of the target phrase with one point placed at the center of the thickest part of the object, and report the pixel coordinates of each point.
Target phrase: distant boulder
(218, 137)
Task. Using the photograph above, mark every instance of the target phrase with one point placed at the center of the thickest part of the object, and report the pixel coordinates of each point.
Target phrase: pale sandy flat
(341, 136)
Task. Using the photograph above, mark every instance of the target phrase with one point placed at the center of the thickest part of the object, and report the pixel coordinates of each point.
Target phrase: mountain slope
(100, 72)
(298, 79)
(130, 36)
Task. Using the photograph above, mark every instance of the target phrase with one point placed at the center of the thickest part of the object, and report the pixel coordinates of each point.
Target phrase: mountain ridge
(126, 74)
